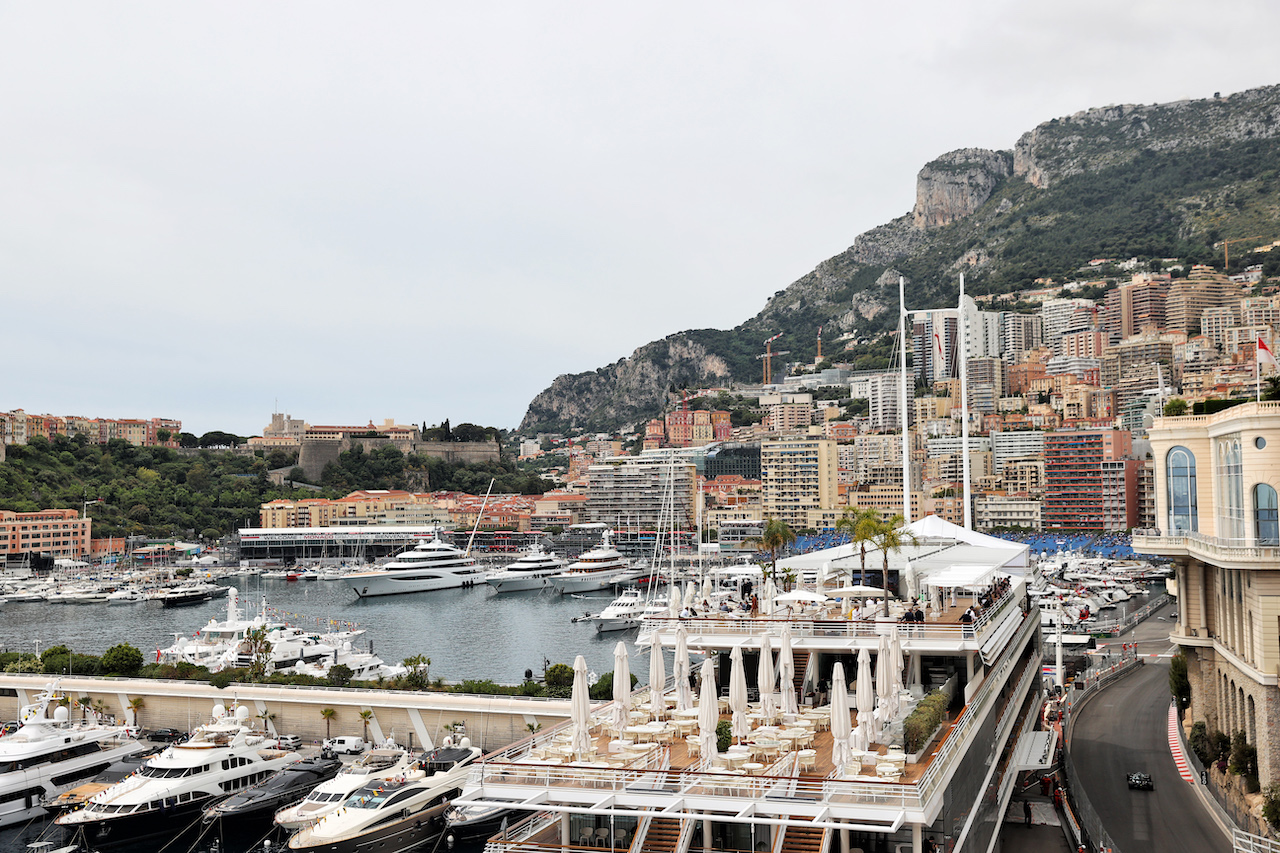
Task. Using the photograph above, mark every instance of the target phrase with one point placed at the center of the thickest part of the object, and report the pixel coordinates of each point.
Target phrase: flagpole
(1257, 370)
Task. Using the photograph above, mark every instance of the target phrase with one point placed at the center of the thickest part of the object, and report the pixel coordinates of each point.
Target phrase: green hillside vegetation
(158, 492)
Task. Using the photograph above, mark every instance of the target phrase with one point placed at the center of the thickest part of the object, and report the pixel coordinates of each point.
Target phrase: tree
(121, 659)
(340, 675)
(891, 536)
(861, 525)
(136, 704)
(1179, 684)
(1175, 408)
(418, 676)
(328, 714)
(260, 648)
(775, 536)
(365, 716)
(84, 702)
(267, 717)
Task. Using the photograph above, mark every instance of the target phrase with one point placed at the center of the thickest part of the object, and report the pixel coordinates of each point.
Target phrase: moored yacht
(258, 803)
(599, 568)
(394, 815)
(387, 762)
(622, 613)
(49, 754)
(171, 789)
(527, 572)
(429, 565)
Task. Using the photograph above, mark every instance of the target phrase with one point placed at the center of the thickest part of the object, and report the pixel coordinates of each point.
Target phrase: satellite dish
(219, 711)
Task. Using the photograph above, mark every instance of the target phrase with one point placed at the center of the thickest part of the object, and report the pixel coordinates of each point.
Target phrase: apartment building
(53, 532)
(1020, 332)
(644, 491)
(1077, 482)
(798, 474)
(995, 512)
(1216, 482)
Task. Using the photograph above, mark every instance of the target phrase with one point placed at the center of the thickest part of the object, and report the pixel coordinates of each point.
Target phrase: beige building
(56, 532)
(1216, 481)
(797, 475)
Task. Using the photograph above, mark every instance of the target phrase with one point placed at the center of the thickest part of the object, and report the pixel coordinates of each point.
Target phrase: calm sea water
(467, 633)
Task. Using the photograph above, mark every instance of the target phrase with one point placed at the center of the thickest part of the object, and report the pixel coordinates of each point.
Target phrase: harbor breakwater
(418, 719)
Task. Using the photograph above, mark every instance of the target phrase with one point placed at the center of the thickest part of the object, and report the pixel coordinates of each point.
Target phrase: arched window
(1180, 477)
(1266, 515)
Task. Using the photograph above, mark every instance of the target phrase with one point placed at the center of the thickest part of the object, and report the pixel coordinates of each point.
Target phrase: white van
(346, 745)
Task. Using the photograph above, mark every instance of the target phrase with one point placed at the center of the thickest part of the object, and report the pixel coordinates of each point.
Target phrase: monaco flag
(1265, 355)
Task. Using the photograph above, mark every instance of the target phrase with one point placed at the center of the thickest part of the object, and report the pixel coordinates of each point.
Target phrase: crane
(1226, 251)
(768, 355)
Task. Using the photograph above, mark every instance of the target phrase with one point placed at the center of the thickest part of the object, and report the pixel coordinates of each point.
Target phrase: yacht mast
(962, 328)
(902, 401)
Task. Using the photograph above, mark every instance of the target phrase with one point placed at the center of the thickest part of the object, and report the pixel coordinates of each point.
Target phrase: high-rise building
(634, 490)
(1021, 332)
(1066, 315)
(1079, 488)
(1135, 306)
(798, 474)
(1217, 518)
(1189, 298)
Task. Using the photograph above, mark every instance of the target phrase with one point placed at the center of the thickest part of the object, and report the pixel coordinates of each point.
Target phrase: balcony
(1227, 553)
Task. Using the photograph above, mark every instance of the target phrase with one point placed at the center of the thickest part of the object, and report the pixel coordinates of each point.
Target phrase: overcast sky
(425, 211)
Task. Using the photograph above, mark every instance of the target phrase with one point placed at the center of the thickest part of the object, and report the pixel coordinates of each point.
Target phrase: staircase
(663, 836)
(800, 658)
(804, 839)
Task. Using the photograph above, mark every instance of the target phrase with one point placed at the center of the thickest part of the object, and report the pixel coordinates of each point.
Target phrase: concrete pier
(417, 719)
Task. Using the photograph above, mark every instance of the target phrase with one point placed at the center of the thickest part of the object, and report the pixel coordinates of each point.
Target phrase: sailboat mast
(902, 401)
(480, 515)
(962, 329)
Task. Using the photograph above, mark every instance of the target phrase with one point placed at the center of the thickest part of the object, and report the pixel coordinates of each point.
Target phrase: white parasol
(765, 679)
(787, 673)
(840, 725)
(673, 602)
(708, 712)
(621, 687)
(738, 694)
(580, 710)
(684, 694)
(657, 680)
(866, 696)
(895, 674)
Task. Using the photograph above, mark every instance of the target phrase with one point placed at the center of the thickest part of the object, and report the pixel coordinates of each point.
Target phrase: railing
(1235, 549)
(1119, 626)
(1244, 842)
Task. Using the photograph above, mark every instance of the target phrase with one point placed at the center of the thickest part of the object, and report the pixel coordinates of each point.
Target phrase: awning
(1035, 751)
(966, 577)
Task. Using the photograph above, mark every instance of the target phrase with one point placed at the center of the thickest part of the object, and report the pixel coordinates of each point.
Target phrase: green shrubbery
(724, 735)
(921, 723)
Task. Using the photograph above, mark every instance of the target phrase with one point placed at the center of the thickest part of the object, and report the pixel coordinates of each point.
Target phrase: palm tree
(84, 702)
(267, 717)
(775, 536)
(861, 525)
(328, 714)
(136, 704)
(891, 536)
(365, 717)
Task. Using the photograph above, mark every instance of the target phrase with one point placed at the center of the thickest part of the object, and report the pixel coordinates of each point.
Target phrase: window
(1266, 515)
(1229, 477)
(1180, 477)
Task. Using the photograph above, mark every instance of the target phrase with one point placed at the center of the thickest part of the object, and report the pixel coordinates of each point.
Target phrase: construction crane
(1226, 251)
(768, 355)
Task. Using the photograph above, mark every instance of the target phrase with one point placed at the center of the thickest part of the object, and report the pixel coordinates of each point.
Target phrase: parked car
(346, 745)
(289, 742)
(166, 736)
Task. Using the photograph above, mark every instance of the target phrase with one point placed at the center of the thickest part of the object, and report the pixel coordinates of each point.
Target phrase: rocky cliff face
(1099, 138)
(983, 212)
(957, 184)
(629, 390)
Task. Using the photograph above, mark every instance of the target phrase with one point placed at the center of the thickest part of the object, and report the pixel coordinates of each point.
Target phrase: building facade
(54, 532)
(797, 475)
(1077, 482)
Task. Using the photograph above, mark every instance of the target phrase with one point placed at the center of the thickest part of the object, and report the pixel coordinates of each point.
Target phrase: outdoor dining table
(684, 726)
(687, 713)
(735, 760)
(640, 734)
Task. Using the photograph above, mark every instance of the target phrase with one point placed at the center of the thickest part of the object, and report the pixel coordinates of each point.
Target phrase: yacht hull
(587, 582)
(524, 584)
(375, 584)
(127, 829)
(408, 833)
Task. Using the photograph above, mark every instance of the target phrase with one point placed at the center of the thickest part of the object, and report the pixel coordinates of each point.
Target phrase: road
(1125, 728)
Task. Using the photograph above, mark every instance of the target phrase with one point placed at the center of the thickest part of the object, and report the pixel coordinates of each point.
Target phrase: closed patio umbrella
(840, 724)
(787, 673)
(910, 582)
(708, 712)
(690, 594)
(765, 679)
(766, 601)
(673, 602)
(865, 699)
(657, 680)
(684, 694)
(621, 686)
(895, 674)
(738, 694)
(821, 579)
(580, 710)
(706, 588)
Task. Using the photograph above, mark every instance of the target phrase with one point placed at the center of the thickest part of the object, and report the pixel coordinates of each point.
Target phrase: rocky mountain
(1152, 182)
